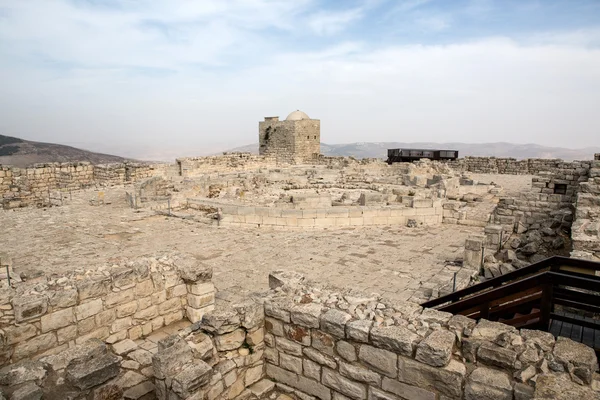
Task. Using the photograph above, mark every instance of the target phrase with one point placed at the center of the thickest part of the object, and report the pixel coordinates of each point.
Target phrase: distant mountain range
(499, 149)
(21, 153)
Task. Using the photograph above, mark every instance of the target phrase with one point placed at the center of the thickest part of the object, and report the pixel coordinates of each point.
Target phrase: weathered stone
(461, 325)
(542, 340)
(274, 326)
(346, 350)
(191, 378)
(29, 307)
(254, 374)
(139, 391)
(360, 374)
(301, 383)
(436, 349)
(380, 360)
(523, 391)
(35, 345)
(560, 387)
(311, 369)
(281, 278)
(579, 355)
(322, 342)
(334, 322)
(231, 340)
(289, 347)
(170, 359)
(345, 386)
(88, 309)
(129, 379)
(24, 371)
(192, 271)
(488, 384)
(298, 334)
(110, 391)
(256, 337)
(447, 380)
(319, 357)
(124, 347)
(492, 354)
(398, 339)
(307, 315)
(406, 391)
(431, 315)
(290, 363)
(359, 330)
(16, 334)
(29, 391)
(279, 309)
(261, 388)
(489, 330)
(143, 357)
(92, 369)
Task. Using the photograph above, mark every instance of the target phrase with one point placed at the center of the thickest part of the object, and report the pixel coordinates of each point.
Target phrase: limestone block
(35, 345)
(230, 341)
(177, 291)
(320, 358)
(16, 334)
(191, 379)
(124, 347)
(492, 354)
(446, 380)
(311, 369)
(101, 333)
(115, 298)
(382, 361)
(398, 339)
(278, 310)
(542, 340)
(29, 307)
(555, 386)
(580, 356)
(403, 390)
(358, 330)
(288, 346)
(169, 360)
(301, 383)
(201, 288)
(21, 372)
(105, 318)
(29, 391)
(306, 315)
(66, 334)
(297, 333)
(322, 342)
(436, 349)
(88, 309)
(488, 384)
(93, 287)
(92, 370)
(334, 322)
(360, 374)
(290, 363)
(126, 309)
(199, 301)
(139, 391)
(62, 298)
(335, 381)
(192, 271)
(255, 337)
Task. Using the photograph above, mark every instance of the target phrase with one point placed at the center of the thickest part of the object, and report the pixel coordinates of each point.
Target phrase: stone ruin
(155, 328)
(105, 335)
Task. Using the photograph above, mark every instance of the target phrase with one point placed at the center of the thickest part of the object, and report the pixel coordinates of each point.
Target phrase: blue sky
(166, 78)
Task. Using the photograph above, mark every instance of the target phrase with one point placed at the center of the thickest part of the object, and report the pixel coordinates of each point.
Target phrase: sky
(157, 79)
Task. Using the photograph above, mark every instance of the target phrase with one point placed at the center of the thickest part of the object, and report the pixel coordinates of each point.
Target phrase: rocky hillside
(21, 153)
(500, 149)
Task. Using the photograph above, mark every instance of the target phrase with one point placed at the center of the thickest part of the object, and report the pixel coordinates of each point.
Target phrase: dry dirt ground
(392, 261)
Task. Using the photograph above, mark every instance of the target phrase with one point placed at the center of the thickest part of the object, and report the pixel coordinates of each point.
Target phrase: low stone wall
(512, 166)
(585, 231)
(127, 300)
(228, 162)
(331, 346)
(422, 211)
(218, 358)
(22, 187)
(533, 208)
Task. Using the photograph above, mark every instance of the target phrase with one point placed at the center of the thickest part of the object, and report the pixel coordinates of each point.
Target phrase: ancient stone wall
(421, 211)
(585, 231)
(512, 166)
(290, 140)
(597, 156)
(331, 345)
(22, 187)
(127, 300)
(228, 162)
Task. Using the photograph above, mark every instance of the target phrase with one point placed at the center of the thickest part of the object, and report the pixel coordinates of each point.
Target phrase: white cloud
(113, 79)
(332, 22)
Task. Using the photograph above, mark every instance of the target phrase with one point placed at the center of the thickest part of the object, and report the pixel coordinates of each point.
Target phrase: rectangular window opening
(560, 188)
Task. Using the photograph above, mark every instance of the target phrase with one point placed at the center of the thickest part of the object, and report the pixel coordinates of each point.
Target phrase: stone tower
(296, 139)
